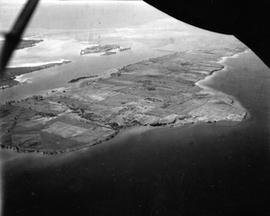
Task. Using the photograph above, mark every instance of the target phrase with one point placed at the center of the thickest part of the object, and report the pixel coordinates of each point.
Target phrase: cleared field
(156, 92)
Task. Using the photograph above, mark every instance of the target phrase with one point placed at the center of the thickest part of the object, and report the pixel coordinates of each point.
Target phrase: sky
(50, 13)
(23, 1)
(91, 0)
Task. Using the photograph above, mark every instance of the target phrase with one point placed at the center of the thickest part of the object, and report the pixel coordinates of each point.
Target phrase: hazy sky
(22, 1)
(92, 0)
(10, 1)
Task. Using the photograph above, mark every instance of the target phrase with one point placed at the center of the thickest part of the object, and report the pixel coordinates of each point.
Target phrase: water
(68, 27)
(201, 169)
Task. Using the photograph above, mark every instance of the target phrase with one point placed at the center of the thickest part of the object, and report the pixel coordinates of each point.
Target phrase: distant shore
(13, 75)
(26, 43)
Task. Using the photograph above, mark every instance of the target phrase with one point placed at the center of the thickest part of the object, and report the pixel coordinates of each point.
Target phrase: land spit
(11, 75)
(158, 92)
(27, 43)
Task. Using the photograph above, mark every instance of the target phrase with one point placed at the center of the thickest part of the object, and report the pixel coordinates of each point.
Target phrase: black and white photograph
(134, 108)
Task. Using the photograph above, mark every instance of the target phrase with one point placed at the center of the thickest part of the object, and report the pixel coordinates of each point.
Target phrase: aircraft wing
(13, 38)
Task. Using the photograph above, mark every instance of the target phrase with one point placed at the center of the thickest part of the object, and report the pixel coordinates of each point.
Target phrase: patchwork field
(156, 92)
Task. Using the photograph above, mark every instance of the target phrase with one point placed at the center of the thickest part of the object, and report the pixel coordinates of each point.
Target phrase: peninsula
(158, 92)
(9, 78)
(26, 43)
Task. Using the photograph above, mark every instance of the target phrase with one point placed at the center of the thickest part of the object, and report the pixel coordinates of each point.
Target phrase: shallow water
(200, 169)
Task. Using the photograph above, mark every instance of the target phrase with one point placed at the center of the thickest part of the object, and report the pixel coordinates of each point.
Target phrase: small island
(158, 92)
(104, 50)
(81, 78)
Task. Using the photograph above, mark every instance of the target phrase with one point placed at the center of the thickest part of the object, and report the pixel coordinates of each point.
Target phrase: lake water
(200, 169)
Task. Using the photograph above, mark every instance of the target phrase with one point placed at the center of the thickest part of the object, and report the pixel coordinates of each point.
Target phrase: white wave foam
(201, 83)
(23, 79)
(236, 55)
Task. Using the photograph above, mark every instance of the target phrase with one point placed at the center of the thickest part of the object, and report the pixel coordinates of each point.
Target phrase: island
(157, 92)
(124, 49)
(81, 78)
(108, 49)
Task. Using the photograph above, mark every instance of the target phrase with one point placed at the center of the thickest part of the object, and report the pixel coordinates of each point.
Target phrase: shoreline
(223, 62)
(203, 83)
(15, 75)
(125, 132)
(166, 122)
(39, 64)
(28, 43)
